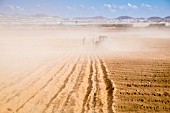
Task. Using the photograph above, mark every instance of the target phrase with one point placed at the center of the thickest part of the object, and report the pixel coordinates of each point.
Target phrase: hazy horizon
(87, 8)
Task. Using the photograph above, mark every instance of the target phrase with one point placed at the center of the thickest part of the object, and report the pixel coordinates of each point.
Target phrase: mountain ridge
(43, 15)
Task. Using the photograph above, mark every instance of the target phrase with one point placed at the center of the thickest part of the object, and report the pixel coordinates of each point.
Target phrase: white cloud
(85, 8)
(70, 8)
(19, 8)
(11, 7)
(113, 7)
(132, 6)
(109, 6)
(82, 6)
(122, 7)
(146, 5)
(15, 8)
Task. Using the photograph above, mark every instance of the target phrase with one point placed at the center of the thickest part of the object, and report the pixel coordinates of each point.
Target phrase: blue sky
(87, 8)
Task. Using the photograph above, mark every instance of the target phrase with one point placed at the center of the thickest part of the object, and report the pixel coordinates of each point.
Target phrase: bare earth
(55, 71)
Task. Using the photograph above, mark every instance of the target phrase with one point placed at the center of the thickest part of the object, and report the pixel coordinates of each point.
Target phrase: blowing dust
(26, 49)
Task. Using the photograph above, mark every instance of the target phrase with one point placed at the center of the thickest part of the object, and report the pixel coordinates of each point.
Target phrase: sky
(87, 8)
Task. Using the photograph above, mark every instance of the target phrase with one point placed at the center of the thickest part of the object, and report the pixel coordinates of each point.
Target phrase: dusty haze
(36, 61)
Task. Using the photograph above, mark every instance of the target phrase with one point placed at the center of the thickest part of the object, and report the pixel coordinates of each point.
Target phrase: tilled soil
(79, 84)
(86, 78)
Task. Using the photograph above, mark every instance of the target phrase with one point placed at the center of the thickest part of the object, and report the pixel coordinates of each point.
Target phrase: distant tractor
(99, 40)
(102, 38)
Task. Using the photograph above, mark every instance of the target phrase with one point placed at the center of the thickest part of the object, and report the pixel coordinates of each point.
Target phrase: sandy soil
(55, 71)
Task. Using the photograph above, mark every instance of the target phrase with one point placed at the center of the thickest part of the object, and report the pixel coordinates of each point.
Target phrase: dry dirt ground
(55, 71)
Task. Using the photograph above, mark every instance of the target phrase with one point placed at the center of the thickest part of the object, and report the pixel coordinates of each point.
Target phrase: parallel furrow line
(17, 94)
(63, 86)
(23, 77)
(109, 87)
(40, 88)
(76, 87)
(47, 92)
(89, 88)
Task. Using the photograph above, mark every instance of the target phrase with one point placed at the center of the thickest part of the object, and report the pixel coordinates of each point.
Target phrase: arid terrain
(69, 69)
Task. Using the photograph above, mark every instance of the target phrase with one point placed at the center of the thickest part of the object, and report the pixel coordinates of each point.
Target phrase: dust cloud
(76, 61)
(23, 49)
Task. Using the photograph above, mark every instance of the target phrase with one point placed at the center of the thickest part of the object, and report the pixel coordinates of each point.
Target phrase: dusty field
(55, 71)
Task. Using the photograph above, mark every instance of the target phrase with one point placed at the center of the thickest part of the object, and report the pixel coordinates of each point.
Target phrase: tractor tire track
(97, 100)
(76, 87)
(18, 80)
(38, 91)
(91, 103)
(89, 88)
(19, 108)
(55, 84)
(49, 69)
(62, 87)
(17, 94)
(14, 91)
(109, 87)
(101, 103)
